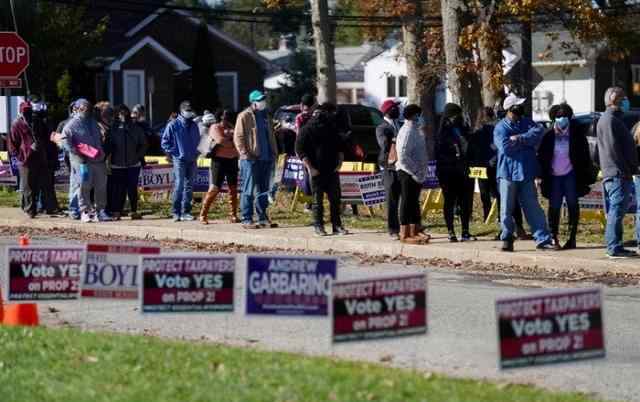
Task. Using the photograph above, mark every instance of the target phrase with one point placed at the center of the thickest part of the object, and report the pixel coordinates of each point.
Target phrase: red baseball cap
(387, 105)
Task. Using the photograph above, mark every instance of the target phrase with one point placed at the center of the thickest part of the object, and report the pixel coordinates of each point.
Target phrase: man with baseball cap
(517, 138)
(386, 133)
(258, 150)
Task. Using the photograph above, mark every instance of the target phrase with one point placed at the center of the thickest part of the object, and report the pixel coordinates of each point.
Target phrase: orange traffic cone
(21, 314)
(24, 240)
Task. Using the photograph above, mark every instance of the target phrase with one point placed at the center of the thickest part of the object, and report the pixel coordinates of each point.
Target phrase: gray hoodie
(616, 148)
(83, 131)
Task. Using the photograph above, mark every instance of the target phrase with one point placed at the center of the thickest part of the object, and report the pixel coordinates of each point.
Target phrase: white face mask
(261, 105)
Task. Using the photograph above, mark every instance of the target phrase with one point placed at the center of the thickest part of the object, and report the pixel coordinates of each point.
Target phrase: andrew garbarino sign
(111, 269)
(289, 285)
(552, 328)
(187, 283)
(379, 308)
(43, 273)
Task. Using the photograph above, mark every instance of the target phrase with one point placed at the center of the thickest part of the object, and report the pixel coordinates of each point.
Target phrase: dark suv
(586, 124)
(357, 121)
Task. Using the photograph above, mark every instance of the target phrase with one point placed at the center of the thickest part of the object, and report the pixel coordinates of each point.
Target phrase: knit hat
(387, 105)
(256, 96)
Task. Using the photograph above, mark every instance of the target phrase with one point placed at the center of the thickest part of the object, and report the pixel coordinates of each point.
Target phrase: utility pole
(325, 57)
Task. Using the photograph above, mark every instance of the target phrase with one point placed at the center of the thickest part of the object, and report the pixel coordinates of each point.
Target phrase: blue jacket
(517, 159)
(180, 139)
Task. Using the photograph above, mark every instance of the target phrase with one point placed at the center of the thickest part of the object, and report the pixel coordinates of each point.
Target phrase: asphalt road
(461, 339)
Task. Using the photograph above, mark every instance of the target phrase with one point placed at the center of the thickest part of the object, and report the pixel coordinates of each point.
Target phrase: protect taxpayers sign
(42, 273)
(550, 328)
(186, 283)
(289, 285)
(379, 308)
(111, 269)
(372, 189)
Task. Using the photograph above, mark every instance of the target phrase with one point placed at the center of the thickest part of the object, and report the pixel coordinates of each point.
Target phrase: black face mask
(394, 113)
(517, 110)
(28, 116)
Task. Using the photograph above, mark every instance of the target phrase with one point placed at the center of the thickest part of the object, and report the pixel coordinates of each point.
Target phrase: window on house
(402, 86)
(391, 86)
(133, 91)
(635, 75)
(228, 89)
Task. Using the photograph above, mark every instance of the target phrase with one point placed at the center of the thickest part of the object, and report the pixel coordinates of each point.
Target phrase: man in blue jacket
(180, 141)
(517, 138)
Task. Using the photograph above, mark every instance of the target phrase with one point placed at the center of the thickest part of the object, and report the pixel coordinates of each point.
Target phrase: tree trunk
(490, 95)
(463, 85)
(325, 59)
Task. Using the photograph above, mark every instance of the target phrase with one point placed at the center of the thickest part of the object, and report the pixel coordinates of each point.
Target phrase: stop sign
(14, 55)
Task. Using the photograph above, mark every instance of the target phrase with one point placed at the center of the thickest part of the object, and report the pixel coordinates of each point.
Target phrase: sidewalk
(590, 258)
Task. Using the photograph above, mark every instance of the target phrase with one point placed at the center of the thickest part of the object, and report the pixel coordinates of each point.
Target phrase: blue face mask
(562, 122)
(625, 105)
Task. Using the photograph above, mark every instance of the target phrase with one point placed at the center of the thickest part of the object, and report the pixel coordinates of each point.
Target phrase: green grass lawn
(590, 232)
(67, 365)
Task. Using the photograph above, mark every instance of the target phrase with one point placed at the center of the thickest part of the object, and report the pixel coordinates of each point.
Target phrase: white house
(385, 76)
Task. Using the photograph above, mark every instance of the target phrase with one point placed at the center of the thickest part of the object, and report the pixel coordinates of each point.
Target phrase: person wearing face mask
(618, 163)
(452, 168)
(103, 111)
(224, 166)
(30, 154)
(321, 149)
(412, 172)
(47, 199)
(83, 138)
(386, 134)
(566, 171)
(74, 181)
(180, 141)
(127, 145)
(258, 151)
(517, 138)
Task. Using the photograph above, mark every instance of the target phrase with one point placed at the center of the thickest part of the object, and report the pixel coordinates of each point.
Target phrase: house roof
(119, 39)
(161, 50)
(350, 61)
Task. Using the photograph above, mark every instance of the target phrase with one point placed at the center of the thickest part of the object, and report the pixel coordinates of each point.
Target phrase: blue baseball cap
(256, 96)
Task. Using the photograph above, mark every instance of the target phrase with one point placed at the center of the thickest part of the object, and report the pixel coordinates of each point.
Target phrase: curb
(485, 252)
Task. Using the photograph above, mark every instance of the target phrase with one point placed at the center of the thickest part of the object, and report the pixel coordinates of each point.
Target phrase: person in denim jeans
(517, 139)
(180, 141)
(258, 151)
(618, 162)
(567, 171)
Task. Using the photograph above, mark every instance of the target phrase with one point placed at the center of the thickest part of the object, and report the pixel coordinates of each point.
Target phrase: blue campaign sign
(289, 285)
(293, 172)
(431, 180)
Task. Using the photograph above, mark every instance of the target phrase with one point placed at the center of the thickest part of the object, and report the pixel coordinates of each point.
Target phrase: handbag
(206, 146)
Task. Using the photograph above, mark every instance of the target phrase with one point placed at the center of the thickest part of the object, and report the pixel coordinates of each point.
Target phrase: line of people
(520, 156)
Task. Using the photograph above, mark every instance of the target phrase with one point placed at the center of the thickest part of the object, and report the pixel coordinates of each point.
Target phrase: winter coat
(452, 145)
(21, 145)
(245, 137)
(127, 145)
(83, 131)
(320, 143)
(585, 172)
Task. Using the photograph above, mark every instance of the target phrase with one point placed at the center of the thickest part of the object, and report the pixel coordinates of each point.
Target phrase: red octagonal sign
(14, 55)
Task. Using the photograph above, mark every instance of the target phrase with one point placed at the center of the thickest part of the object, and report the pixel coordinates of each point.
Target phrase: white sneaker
(85, 218)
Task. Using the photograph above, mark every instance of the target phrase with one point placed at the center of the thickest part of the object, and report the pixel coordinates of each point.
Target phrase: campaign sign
(289, 285)
(550, 328)
(156, 177)
(186, 283)
(372, 189)
(379, 308)
(349, 187)
(111, 269)
(43, 273)
(432, 180)
(293, 172)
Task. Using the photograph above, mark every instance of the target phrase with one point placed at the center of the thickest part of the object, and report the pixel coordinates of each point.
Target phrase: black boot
(507, 245)
(574, 218)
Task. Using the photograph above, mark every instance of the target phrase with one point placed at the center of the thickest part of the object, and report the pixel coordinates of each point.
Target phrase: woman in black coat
(566, 171)
(452, 169)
